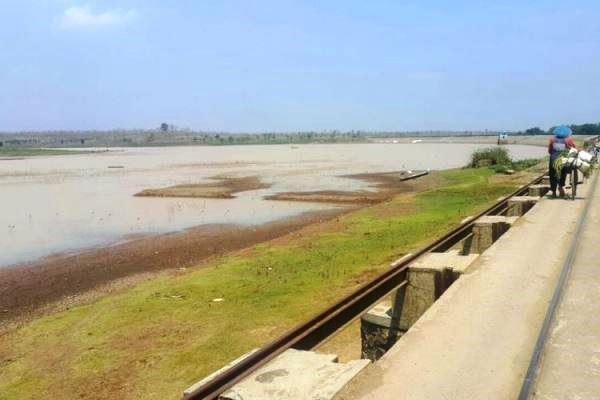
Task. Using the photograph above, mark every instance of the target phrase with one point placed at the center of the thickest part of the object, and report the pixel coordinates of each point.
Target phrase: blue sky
(298, 65)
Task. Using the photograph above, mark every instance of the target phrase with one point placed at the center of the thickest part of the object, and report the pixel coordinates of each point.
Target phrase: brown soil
(223, 188)
(329, 196)
(387, 184)
(26, 288)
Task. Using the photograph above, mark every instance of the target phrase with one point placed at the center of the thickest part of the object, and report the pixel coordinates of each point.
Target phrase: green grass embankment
(31, 152)
(154, 340)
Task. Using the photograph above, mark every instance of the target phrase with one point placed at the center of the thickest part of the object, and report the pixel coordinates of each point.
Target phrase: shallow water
(63, 203)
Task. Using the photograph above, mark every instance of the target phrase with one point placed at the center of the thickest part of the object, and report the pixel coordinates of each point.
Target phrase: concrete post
(546, 180)
(486, 231)
(538, 190)
(428, 278)
(519, 205)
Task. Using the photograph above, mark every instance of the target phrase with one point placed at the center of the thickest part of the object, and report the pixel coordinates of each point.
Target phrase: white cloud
(84, 17)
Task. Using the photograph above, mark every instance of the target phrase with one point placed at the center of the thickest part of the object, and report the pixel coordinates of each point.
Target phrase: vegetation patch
(490, 156)
(30, 152)
(157, 338)
(500, 161)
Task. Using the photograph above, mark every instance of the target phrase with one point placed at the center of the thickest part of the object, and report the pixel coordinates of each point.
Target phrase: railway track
(311, 333)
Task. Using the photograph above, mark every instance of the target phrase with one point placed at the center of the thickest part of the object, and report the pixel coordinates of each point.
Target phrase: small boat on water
(414, 175)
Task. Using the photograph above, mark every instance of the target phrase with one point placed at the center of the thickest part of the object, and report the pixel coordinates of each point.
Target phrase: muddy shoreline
(386, 185)
(62, 280)
(28, 287)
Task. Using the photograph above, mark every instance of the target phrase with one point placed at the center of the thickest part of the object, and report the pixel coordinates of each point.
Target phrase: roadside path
(570, 366)
(477, 339)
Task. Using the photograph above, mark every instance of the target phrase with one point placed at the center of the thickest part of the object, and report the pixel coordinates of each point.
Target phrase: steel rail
(309, 334)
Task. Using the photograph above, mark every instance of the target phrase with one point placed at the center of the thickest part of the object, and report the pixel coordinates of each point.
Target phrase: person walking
(561, 141)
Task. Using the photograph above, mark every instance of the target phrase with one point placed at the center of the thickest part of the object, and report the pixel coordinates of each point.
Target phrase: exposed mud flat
(386, 185)
(224, 188)
(329, 196)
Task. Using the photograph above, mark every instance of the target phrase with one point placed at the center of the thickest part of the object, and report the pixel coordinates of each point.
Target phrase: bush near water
(490, 156)
(499, 159)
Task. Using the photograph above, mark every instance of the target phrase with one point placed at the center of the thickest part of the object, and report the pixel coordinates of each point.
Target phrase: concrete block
(189, 391)
(486, 230)
(297, 375)
(519, 205)
(538, 190)
(428, 278)
(380, 328)
(546, 180)
(381, 315)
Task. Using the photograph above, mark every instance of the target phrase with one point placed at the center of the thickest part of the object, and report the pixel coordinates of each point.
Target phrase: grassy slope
(154, 340)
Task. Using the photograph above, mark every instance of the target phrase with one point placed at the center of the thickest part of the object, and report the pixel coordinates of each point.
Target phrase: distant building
(503, 138)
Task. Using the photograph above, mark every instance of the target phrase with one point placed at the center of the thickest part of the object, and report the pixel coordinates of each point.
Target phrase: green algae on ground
(155, 339)
(31, 152)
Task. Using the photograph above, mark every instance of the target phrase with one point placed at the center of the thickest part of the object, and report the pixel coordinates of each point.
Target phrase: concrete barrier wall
(429, 277)
(476, 341)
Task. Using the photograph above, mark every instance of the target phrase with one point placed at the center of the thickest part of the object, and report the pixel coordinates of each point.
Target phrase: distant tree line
(169, 134)
(584, 129)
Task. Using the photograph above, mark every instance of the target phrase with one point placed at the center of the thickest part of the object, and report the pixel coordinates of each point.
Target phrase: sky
(251, 66)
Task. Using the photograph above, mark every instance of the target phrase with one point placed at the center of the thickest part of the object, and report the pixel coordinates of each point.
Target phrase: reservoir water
(64, 203)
